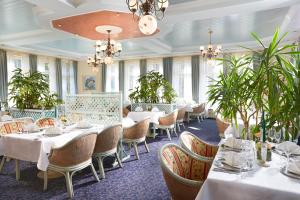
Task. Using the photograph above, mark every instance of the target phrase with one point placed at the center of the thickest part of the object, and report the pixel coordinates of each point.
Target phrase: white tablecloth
(35, 147)
(262, 183)
(138, 116)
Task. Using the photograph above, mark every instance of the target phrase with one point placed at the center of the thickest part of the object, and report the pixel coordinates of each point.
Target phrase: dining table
(262, 182)
(35, 147)
(140, 115)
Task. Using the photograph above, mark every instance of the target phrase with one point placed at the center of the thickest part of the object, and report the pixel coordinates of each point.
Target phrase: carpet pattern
(138, 179)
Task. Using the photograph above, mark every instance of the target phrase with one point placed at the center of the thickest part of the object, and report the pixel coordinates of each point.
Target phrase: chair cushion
(11, 127)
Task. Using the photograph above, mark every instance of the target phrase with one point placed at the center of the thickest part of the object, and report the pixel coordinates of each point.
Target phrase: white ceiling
(26, 25)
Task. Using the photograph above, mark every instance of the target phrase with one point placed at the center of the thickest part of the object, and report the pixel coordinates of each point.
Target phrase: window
(46, 65)
(155, 64)
(132, 73)
(182, 77)
(112, 77)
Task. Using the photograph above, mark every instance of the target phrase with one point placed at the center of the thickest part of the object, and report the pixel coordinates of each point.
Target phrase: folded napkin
(138, 109)
(83, 124)
(6, 118)
(233, 143)
(32, 127)
(233, 159)
(53, 130)
(155, 109)
(291, 147)
(294, 167)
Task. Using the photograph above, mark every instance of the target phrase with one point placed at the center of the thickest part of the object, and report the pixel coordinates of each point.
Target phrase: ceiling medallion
(149, 11)
(105, 51)
(210, 52)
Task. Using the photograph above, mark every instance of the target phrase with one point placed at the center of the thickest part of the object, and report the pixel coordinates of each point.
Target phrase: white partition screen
(103, 108)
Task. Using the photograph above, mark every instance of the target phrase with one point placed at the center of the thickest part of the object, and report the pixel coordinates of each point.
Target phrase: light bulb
(147, 24)
(103, 47)
(219, 47)
(133, 5)
(163, 4)
(201, 48)
(98, 43)
(112, 42)
(108, 60)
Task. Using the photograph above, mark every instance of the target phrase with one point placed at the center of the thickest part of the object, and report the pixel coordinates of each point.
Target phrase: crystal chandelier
(149, 11)
(104, 52)
(210, 52)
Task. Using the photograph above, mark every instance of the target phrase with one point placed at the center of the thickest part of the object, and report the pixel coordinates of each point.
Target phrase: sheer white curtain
(182, 77)
(112, 77)
(131, 74)
(207, 73)
(46, 65)
(155, 64)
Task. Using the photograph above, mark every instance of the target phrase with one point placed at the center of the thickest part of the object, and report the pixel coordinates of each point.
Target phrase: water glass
(277, 135)
(264, 152)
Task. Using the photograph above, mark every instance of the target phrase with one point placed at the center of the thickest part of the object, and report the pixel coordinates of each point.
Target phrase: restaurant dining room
(150, 99)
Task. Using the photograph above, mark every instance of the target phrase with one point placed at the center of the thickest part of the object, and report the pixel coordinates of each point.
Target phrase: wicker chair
(9, 128)
(222, 126)
(180, 118)
(72, 157)
(45, 122)
(167, 123)
(198, 112)
(136, 134)
(197, 147)
(184, 174)
(125, 112)
(106, 145)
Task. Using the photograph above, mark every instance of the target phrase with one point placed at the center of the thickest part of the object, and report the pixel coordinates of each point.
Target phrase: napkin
(155, 109)
(139, 109)
(6, 118)
(31, 128)
(83, 124)
(233, 143)
(233, 159)
(52, 130)
(289, 146)
(294, 167)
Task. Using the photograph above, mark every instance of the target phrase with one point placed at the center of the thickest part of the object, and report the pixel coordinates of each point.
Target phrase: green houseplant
(153, 88)
(31, 91)
(273, 86)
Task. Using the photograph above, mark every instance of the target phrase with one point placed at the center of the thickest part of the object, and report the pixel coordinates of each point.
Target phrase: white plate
(289, 174)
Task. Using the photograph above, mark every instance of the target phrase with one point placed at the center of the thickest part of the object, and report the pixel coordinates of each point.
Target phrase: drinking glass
(264, 152)
(277, 135)
(287, 152)
(272, 134)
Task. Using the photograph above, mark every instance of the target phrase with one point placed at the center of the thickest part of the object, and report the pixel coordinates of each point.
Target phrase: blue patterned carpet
(138, 179)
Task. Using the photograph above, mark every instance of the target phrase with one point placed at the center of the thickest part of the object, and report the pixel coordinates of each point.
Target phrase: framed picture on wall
(89, 83)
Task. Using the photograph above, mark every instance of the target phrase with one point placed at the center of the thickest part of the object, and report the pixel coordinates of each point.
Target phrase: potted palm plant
(31, 96)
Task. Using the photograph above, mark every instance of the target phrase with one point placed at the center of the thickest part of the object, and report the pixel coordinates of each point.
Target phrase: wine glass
(271, 134)
(277, 135)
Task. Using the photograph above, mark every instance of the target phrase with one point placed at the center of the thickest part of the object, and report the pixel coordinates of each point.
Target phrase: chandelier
(150, 10)
(104, 52)
(210, 52)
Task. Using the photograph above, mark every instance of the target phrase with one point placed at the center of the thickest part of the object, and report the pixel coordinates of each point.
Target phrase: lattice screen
(168, 108)
(103, 108)
(35, 114)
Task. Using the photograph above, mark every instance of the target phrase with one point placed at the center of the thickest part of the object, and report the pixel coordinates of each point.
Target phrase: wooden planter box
(33, 113)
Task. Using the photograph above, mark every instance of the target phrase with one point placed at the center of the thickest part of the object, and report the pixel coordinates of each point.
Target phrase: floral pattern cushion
(11, 127)
(45, 122)
(199, 147)
(183, 165)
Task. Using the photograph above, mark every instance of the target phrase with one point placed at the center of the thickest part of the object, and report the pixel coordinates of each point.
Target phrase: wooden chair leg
(118, 159)
(136, 150)
(146, 146)
(2, 163)
(94, 172)
(168, 133)
(45, 180)
(17, 169)
(101, 168)
(69, 184)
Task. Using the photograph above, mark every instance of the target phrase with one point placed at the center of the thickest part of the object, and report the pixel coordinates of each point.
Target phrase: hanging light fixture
(104, 52)
(149, 11)
(210, 52)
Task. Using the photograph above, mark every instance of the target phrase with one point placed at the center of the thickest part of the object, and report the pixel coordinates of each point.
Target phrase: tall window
(182, 77)
(155, 64)
(112, 77)
(132, 73)
(46, 66)
(67, 78)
